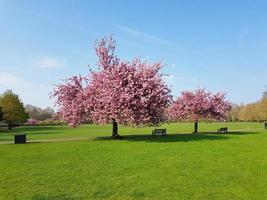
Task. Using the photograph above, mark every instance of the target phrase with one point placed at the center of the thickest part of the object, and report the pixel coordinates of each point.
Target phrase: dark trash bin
(20, 138)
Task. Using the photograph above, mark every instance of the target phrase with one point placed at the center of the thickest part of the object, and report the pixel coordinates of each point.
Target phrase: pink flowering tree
(70, 100)
(199, 104)
(32, 122)
(131, 93)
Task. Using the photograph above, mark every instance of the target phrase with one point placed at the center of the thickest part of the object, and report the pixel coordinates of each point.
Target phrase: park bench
(159, 132)
(222, 130)
(20, 138)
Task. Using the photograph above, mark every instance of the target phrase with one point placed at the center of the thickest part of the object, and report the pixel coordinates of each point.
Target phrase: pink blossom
(199, 104)
(132, 92)
(32, 121)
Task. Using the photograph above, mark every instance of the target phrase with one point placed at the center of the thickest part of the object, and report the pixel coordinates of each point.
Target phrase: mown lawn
(92, 131)
(177, 166)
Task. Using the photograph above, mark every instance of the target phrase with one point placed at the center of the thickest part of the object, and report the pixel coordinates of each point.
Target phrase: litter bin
(20, 138)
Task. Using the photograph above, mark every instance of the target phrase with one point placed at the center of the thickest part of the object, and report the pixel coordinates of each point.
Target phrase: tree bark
(9, 126)
(114, 128)
(115, 134)
(196, 127)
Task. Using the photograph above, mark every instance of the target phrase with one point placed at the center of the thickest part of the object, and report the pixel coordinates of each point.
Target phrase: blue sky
(218, 45)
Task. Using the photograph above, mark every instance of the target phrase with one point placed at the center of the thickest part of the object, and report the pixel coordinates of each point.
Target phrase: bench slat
(223, 129)
(159, 132)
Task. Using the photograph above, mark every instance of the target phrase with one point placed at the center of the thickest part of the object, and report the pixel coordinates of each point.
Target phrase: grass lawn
(177, 166)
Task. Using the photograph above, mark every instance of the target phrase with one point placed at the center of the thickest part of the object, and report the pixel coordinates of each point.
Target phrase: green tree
(1, 114)
(13, 109)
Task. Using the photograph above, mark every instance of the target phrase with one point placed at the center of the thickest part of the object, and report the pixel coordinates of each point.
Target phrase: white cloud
(29, 92)
(50, 63)
(7, 79)
(144, 35)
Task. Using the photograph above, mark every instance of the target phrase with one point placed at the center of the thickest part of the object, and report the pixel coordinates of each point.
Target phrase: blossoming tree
(132, 93)
(199, 104)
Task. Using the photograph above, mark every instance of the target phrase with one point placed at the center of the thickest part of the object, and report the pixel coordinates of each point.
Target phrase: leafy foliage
(1, 114)
(256, 111)
(31, 122)
(264, 95)
(13, 109)
(39, 113)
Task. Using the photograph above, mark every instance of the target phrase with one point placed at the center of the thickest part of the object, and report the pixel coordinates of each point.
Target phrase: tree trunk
(9, 126)
(114, 128)
(196, 127)
(115, 134)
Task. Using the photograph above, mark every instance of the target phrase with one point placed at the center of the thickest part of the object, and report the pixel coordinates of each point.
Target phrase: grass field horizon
(180, 165)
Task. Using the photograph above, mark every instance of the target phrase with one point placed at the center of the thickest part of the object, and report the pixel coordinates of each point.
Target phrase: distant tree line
(39, 113)
(14, 113)
(256, 111)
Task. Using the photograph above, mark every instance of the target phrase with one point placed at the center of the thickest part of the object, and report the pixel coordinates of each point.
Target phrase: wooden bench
(159, 132)
(222, 130)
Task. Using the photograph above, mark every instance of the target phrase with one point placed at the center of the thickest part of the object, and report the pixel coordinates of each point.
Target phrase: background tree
(264, 109)
(39, 113)
(234, 112)
(132, 93)
(199, 104)
(256, 111)
(264, 95)
(12, 108)
(1, 114)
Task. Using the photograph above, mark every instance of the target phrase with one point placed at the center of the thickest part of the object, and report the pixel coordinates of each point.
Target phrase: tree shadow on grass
(55, 197)
(6, 139)
(181, 137)
(231, 133)
(36, 130)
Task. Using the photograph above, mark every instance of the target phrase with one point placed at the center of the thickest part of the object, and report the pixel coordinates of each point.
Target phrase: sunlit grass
(177, 166)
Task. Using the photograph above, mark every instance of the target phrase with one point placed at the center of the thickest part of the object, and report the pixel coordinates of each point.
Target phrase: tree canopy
(13, 109)
(256, 111)
(1, 114)
(39, 113)
(199, 104)
(131, 92)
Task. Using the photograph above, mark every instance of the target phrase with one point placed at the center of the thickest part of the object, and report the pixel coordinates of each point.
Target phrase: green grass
(92, 131)
(177, 166)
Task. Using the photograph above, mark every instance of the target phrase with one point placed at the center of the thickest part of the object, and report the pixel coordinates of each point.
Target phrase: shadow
(35, 130)
(181, 137)
(230, 133)
(55, 197)
(33, 142)
(42, 133)
(6, 139)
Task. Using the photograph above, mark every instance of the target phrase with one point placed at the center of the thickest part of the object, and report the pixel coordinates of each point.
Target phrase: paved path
(52, 140)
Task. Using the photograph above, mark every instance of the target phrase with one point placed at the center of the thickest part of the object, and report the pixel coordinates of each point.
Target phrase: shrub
(32, 122)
